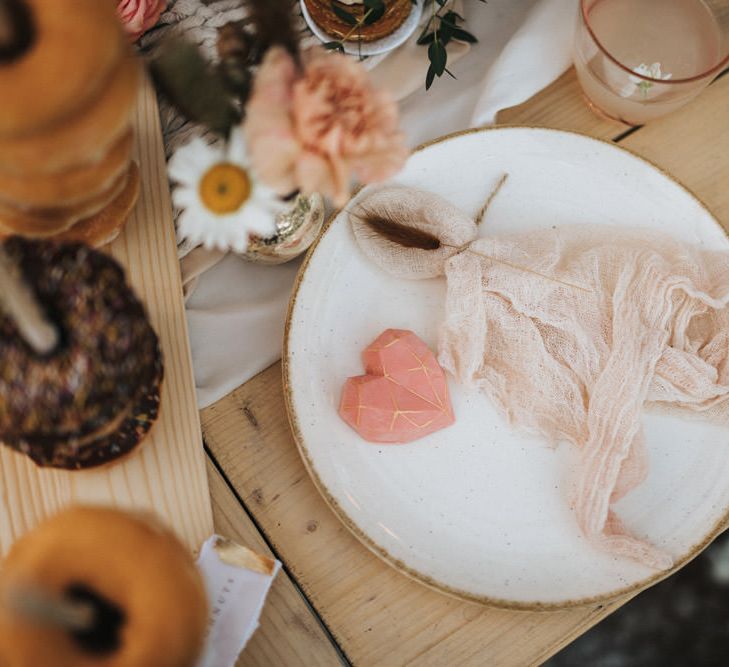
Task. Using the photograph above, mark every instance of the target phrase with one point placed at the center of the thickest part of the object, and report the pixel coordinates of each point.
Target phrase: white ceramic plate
(477, 510)
(387, 43)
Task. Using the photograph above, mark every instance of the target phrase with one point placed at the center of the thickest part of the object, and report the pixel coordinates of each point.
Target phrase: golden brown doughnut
(83, 138)
(68, 187)
(105, 226)
(322, 14)
(140, 581)
(45, 222)
(96, 395)
(75, 45)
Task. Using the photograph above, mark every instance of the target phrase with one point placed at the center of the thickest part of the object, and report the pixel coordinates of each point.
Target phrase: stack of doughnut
(95, 395)
(68, 84)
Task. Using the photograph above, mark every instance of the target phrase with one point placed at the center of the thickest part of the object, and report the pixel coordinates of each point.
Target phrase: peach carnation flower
(312, 129)
(138, 16)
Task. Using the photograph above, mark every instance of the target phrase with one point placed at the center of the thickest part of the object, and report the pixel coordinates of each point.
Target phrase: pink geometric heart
(404, 395)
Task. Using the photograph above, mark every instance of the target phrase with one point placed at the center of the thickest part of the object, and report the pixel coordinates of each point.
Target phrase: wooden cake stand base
(166, 473)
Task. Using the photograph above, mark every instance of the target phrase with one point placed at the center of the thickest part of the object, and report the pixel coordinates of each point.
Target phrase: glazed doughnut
(106, 360)
(43, 223)
(83, 138)
(115, 439)
(102, 228)
(149, 599)
(73, 48)
(69, 187)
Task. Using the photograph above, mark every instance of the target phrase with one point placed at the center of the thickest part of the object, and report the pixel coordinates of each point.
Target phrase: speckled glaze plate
(477, 510)
(387, 43)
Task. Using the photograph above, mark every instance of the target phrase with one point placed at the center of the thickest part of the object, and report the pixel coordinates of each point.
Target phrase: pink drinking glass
(637, 60)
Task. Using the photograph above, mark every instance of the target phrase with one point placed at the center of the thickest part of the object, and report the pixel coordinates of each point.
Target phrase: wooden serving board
(166, 473)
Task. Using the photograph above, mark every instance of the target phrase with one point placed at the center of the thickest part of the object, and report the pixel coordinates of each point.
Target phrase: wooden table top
(335, 602)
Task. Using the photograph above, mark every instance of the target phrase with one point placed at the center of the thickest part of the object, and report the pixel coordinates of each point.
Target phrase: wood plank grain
(166, 474)
(290, 633)
(377, 615)
(562, 106)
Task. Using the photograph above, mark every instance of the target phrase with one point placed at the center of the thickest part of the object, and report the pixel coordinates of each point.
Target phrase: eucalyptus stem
(433, 16)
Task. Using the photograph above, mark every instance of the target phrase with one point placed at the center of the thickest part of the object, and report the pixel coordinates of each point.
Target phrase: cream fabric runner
(237, 310)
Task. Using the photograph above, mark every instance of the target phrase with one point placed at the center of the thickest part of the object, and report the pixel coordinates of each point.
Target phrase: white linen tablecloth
(236, 314)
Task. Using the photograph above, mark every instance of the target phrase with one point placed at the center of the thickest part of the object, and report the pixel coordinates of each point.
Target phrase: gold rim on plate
(380, 551)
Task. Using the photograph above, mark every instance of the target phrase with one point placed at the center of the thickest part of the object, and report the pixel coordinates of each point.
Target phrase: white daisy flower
(222, 204)
(637, 84)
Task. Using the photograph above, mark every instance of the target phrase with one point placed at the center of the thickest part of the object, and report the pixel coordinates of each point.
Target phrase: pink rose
(312, 130)
(138, 16)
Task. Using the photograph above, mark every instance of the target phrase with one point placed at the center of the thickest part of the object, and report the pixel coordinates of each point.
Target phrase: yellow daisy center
(224, 188)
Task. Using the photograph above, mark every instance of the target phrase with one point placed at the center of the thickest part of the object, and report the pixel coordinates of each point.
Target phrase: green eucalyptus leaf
(375, 14)
(447, 29)
(453, 16)
(429, 77)
(344, 15)
(463, 35)
(194, 86)
(237, 77)
(445, 32)
(438, 56)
